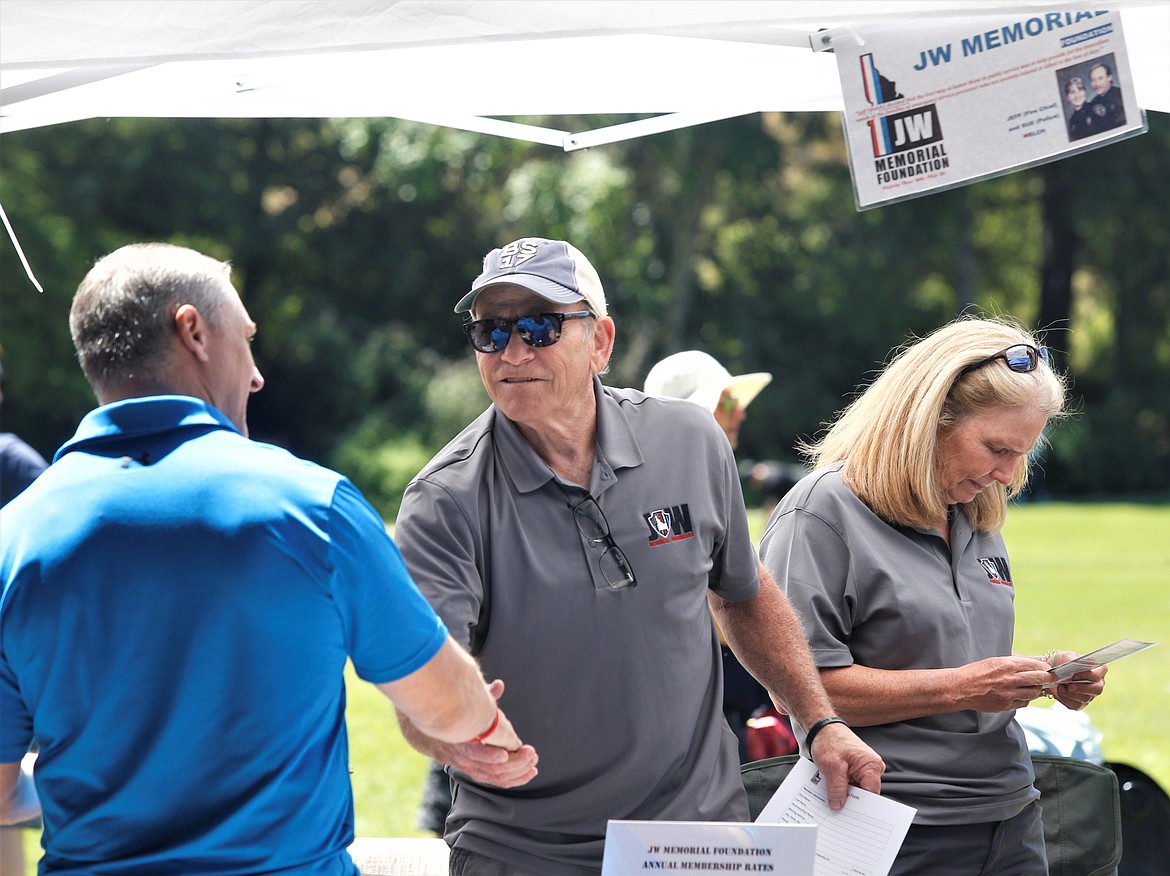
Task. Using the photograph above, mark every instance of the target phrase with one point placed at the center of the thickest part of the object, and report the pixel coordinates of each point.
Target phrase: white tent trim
(476, 66)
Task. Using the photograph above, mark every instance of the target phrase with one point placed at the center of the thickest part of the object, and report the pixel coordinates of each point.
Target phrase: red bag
(769, 734)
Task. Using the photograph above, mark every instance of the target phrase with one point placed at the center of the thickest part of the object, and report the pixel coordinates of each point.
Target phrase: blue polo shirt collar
(139, 417)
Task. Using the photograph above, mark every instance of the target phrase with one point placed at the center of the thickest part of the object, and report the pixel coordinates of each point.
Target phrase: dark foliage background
(352, 239)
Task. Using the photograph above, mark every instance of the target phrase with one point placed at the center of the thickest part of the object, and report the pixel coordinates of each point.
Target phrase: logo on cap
(517, 253)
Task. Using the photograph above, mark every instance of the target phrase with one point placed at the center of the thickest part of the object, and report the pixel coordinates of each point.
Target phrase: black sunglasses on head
(1021, 358)
(535, 329)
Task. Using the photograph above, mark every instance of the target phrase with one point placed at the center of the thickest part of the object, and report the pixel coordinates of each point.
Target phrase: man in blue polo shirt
(179, 603)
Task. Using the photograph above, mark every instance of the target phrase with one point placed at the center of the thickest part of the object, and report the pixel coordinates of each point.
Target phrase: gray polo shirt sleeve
(810, 561)
(735, 575)
(443, 552)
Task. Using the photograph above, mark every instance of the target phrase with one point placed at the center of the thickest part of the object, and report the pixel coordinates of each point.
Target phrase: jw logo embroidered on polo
(517, 253)
(997, 570)
(669, 524)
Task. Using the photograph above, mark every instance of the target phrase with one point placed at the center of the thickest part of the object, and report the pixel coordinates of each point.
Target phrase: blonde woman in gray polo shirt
(890, 551)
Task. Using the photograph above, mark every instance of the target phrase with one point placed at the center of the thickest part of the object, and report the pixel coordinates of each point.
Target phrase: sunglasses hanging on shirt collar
(593, 525)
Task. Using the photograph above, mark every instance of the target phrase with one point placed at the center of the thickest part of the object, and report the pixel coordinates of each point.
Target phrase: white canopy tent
(472, 65)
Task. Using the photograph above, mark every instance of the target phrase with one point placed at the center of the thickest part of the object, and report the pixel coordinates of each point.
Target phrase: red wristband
(489, 731)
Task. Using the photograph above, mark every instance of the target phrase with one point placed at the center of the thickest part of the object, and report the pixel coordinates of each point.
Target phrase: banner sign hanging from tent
(937, 104)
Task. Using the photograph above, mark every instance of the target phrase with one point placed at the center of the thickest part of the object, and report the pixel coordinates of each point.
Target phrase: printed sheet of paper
(934, 103)
(401, 856)
(860, 840)
(1117, 650)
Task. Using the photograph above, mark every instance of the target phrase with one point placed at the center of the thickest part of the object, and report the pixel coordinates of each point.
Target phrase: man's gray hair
(122, 318)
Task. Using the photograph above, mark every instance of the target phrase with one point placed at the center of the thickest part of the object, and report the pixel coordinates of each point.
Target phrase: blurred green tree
(352, 239)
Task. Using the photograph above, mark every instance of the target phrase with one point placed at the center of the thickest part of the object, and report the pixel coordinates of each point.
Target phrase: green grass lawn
(1085, 575)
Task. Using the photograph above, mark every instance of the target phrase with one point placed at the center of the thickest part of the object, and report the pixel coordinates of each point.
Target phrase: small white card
(861, 840)
(640, 847)
(1115, 651)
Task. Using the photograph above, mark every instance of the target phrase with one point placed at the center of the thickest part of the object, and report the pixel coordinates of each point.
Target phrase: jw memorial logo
(669, 524)
(997, 570)
(906, 144)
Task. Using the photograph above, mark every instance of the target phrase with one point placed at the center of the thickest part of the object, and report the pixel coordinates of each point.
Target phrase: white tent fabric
(471, 65)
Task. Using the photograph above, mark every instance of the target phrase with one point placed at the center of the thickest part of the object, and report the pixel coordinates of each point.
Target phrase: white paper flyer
(939, 103)
(860, 840)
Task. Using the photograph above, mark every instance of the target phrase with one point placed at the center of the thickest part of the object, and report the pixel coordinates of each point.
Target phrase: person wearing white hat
(698, 377)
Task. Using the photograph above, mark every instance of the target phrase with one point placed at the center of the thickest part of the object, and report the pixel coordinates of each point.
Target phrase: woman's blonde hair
(887, 439)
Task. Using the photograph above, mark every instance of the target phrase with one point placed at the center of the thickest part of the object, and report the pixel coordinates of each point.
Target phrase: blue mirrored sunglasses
(535, 329)
(1021, 358)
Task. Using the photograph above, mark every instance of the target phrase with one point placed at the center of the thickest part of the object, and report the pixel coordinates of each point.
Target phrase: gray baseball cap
(553, 269)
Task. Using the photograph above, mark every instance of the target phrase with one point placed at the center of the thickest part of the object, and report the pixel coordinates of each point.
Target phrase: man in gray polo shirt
(573, 537)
